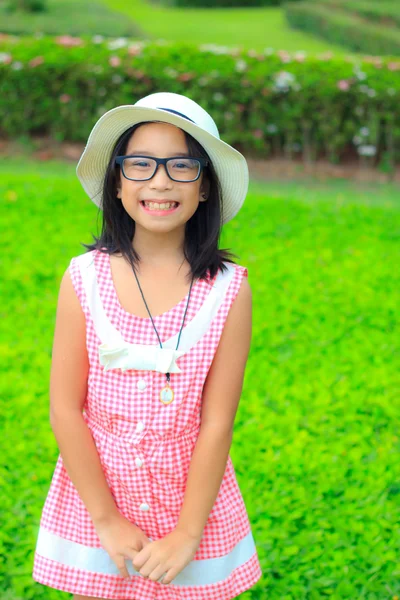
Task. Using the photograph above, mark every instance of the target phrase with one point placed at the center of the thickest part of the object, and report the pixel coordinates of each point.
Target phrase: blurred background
(309, 91)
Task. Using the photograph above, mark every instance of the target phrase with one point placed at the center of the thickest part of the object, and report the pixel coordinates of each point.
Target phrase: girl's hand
(121, 539)
(168, 556)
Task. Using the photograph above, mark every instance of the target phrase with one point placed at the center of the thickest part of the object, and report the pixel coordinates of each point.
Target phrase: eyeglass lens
(182, 169)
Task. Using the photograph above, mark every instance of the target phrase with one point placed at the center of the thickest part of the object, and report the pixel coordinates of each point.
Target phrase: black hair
(202, 230)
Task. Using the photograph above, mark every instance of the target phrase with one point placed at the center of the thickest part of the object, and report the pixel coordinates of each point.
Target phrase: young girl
(152, 336)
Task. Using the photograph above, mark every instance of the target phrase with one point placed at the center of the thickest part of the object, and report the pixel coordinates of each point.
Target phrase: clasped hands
(167, 556)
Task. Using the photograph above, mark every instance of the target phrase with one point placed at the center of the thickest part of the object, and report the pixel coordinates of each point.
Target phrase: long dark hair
(202, 230)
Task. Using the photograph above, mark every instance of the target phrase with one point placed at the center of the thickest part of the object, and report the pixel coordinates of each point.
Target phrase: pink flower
(326, 56)
(300, 57)
(394, 66)
(65, 98)
(35, 62)
(284, 56)
(134, 50)
(115, 61)
(68, 41)
(240, 107)
(185, 77)
(374, 60)
(258, 133)
(343, 85)
(5, 58)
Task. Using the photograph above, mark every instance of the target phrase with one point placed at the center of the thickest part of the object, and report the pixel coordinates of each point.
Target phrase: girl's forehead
(156, 133)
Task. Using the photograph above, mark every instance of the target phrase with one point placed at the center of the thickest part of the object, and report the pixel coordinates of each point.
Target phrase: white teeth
(162, 206)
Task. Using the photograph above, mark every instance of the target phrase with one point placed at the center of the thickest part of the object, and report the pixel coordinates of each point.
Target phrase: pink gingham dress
(145, 447)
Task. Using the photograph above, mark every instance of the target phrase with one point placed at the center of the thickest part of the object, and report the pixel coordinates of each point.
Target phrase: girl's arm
(220, 400)
(68, 388)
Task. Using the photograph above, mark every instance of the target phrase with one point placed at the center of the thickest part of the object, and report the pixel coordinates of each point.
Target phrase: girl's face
(160, 140)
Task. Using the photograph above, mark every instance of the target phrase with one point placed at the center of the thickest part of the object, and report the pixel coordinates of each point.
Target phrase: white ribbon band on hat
(116, 353)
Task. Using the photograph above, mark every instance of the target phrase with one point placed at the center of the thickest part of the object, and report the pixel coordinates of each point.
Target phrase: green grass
(72, 17)
(316, 444)
(256, 28)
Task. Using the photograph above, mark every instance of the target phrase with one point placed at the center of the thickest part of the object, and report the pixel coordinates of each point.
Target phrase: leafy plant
(31, 6)
(267, 104)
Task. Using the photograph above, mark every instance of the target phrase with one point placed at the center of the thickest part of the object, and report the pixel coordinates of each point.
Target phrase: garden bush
(385, 12)
(30, 6)
(60, 17)
(340, 27)
(270, 103)
(220, 3)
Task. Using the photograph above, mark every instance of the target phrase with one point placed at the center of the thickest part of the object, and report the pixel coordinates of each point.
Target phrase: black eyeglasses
(179, 168)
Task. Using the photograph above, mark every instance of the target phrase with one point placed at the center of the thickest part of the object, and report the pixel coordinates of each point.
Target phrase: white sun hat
(229, 164)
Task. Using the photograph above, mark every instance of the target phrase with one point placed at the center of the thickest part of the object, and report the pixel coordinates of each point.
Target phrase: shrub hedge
(341, 27)
(386, 12)
(220, 3)
(61, 17)
(263, 103)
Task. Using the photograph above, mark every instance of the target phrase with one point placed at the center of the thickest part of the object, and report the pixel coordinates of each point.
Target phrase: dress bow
(141, 357)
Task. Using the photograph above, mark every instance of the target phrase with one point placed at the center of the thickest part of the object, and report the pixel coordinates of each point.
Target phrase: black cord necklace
(167, 393)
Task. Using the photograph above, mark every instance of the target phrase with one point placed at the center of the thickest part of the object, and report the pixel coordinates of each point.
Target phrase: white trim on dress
(96, 560)
(116, 353)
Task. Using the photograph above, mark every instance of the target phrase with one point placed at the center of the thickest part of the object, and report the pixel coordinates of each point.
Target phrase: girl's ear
(118, 192)
(204, 190)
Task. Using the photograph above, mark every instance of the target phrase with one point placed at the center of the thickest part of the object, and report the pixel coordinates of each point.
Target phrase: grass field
(316, 444)
(256, 28)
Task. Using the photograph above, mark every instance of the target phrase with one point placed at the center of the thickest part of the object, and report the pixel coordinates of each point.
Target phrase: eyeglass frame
(161, 161)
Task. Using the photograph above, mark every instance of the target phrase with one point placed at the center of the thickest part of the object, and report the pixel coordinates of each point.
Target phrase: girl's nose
(160, 177)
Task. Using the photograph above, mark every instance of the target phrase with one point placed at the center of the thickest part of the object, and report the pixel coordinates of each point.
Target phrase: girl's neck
(159, 250)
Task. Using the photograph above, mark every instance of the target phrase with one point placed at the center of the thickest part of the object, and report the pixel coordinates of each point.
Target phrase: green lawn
(316, 444)
(72, 17)
(256, 28)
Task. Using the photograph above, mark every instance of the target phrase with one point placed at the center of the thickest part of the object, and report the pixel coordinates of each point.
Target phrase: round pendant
(166, 395)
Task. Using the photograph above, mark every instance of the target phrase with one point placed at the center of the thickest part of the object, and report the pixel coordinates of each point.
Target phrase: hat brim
(229, 164)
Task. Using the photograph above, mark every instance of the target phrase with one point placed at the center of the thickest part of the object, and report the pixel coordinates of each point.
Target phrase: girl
(152, 336)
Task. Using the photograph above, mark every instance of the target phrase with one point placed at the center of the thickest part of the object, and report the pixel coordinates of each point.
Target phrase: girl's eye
(141, 163)
(186, 164)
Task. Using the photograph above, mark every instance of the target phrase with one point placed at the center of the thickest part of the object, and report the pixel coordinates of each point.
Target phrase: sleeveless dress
(145, 445)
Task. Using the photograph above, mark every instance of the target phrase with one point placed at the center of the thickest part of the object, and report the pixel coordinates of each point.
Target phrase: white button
(144, 506)
(140, 426)
(138, 462)
(141, 384)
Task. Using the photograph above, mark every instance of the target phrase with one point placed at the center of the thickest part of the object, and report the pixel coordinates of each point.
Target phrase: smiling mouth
(159, 206)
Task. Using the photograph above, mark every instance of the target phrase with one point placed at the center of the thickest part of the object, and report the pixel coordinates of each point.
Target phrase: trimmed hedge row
(340, 27)
(386, 12)
(220, 3)
(61, 16)
(270, 103)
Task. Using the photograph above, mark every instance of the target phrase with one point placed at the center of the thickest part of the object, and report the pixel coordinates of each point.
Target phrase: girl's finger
(168, 576)
(141, 557)
(121, 566)
(158, 572)
(150, 567)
